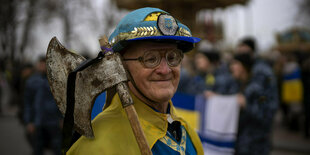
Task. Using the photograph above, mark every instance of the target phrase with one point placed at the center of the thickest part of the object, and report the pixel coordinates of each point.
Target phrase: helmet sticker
(167, 25)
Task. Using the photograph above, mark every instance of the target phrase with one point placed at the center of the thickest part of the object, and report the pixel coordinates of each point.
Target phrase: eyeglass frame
(140, 58)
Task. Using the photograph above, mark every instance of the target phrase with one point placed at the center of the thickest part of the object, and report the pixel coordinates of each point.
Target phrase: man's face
(41, 66)
(237, 69)
(242, 48)
(202, 63)
(158, 84)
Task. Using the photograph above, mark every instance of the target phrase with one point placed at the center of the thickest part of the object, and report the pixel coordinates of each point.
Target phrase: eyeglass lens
(153, 58)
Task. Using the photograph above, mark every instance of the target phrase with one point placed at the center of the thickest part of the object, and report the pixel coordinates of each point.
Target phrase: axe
(76, 82)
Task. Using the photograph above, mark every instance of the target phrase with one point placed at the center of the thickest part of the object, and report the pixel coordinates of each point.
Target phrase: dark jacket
(40, 107)
(255, 122)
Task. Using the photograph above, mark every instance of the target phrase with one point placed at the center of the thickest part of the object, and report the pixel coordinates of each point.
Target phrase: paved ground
(12, 138)
(288, 142)
(13, 141)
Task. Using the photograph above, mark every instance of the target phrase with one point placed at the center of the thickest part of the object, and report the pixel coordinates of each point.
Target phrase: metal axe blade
(89, 83)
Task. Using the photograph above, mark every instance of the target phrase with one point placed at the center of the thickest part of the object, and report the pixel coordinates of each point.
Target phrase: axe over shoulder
(139, 67)
(90, 82)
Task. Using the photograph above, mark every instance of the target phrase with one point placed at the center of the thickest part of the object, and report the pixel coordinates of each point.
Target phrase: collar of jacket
(154, 124)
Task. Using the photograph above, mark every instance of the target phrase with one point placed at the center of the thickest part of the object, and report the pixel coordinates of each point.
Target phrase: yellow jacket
(113, 134)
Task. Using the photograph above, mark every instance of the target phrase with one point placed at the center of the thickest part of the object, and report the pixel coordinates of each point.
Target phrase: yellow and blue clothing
(292, 90)
(113, 134)
(169, 145)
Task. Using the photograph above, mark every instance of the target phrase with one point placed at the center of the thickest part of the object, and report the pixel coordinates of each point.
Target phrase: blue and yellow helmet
(151, 24)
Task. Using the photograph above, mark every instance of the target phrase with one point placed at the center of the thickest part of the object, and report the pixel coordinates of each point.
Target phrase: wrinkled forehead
(138, 48)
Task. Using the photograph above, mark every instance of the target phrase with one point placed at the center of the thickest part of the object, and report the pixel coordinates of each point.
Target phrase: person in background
(2, 81)
(41, 115)
(5, 88)
(306, 97)
(291, 91)
(257, 99)
(26, 72)
(190, 83)
(206, 63)
(215, 75)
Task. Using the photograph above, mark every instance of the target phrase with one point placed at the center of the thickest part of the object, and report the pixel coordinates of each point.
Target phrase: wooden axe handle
(127, 103)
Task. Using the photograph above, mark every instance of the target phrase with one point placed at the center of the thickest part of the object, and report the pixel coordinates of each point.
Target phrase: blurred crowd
(28, 89)
(263, 85)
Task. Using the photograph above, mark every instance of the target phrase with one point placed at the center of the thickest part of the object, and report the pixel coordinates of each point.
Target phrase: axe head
(89, 83)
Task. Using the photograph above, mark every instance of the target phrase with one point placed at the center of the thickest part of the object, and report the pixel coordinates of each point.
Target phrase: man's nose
(163, 67)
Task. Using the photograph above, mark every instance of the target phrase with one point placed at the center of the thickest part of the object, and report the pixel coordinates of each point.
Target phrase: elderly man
(152, 44)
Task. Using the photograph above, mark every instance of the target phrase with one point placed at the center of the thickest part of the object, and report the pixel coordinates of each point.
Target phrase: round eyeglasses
(152, 58)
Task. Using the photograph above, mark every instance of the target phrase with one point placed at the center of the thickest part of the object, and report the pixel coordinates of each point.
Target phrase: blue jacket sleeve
(29, 94)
